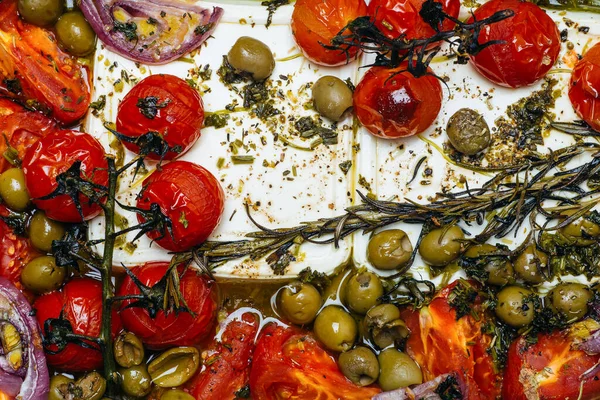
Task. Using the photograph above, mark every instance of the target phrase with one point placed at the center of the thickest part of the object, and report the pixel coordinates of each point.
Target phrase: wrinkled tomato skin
(550, 369)
(21, 128)
(171, 329)
(439, 344)
(179, 122)
(190, 196)
(532, 44)
(401, 17)
(394, 106)
(55, 154)
(584, 90)
(227, 362)
(80, 302)
(316, 22)
(49, 79)
(289, 363)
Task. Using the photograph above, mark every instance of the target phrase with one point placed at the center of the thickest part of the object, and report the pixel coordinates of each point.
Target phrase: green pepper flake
(220, 162)
(183, 220)
(345, 166)
(217, 121)
(247, 159)
(118, 85)
(294, 171)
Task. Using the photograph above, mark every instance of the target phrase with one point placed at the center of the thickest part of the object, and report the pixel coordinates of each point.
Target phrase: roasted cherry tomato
(190, 196)
(172, 328)
(532, 44)
(393, 104)
(316, 22)
(166, 106)
(227, 362)
(584, 91)
(55, 154)
(289, 363)
(80, 303)
(35, 71)
(441, 344)
(552, 368)
(401, 17)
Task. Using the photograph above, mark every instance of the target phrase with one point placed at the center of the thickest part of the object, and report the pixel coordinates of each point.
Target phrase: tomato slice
(227, 362)
(290, 364)
(441, 344)
(551, 369)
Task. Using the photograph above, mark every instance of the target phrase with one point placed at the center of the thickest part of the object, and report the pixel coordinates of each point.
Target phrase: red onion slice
(424, 391)
(151, 31)
(32, 377)
(590, 345)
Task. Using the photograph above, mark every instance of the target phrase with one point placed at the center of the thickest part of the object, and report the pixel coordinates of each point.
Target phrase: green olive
(43, 231)
(500, 269)
(360, 365)
(176, 394)
(92, 386)
(41, 275)
(515, 306)
(389, 249)
(384, 326)
(41, 12)
(174, 367)
(398, 370)
(468, 132)
(335, 328)
(441, 246)
(252, 56)
(136, 381)
(59, 385)
(570, 299)
(13, 189)
(299, 302)
(363, 291)
(128, 349)
(582, 232)
(331, 97)
(530, 264)
(75, 34)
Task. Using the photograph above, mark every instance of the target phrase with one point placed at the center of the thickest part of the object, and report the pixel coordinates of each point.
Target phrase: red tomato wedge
(290, 364)
(584, 91)
(441, 344)
(552, 368)
(36, 72)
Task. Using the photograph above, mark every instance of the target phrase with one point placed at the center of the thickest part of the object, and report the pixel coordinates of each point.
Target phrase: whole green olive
(299, 302)
(570, 299)
(582, 232)
(389, 249)
(43, 231)
(252, 56)
(360, 365)
(136, 381)
(176, 394)
(468, 132)
(41, 275)
(335, 328)
(59, 385)
(530, 264)
(441, 246)
(500, 269)
(363, 291)
(128, 350)
(384, 326)
(13, 189)
(75, 34)
(41, 12)
(174, 367)
(515, 306)
(398, 370)
(331, 97)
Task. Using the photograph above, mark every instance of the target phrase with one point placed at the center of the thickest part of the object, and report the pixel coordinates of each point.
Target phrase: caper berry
(441, 246)
(363, 291)
(41, 275)
(128, 349)
(75, 34)
(389, 249)
(360, 365)
(335, 328)
(40, 12)
(515, 306)
(299, 302)
(252, 56)
(136, 381)
(331, 97)
(174, 367)
(570, 299)
(13, 189)
(43, 231)
(530, 264)
(384, 326)
(468, 132)
(500, 269)
(397, 370)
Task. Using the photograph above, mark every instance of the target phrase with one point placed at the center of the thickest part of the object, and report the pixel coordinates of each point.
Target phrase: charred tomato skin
(170, 329)
(190, 196)
(392, 103)
(316, 22)
(177, 117)
(532, 44)
(80, 302)
(584, 89)
(54, 154)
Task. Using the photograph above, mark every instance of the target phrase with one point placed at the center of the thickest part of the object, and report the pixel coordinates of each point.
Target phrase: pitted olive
(389, 249)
